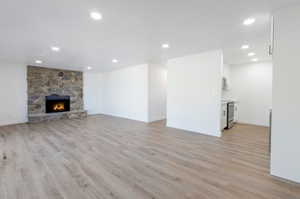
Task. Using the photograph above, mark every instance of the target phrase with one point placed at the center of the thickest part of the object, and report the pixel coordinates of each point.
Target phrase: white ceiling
(131, 31)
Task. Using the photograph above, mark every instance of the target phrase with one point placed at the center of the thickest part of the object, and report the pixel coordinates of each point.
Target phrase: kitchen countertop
(228, 99)
(225, 101)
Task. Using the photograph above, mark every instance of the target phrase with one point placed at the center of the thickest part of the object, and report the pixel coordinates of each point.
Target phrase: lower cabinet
(235, 112)
(224, 116)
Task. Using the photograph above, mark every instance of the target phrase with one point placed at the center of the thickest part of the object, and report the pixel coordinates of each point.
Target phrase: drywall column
(285, 148)
(194, 93)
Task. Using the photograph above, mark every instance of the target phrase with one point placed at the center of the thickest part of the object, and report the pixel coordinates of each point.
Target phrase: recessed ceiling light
(38, 61)
(254, 59)
(115, 61)
(249, 21)
(165, 46)
(55, 48)
(245, 47)
(96, 16)
(89, 68)
(251, 54)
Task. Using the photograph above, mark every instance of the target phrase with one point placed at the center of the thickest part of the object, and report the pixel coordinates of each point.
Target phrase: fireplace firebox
(57, 103)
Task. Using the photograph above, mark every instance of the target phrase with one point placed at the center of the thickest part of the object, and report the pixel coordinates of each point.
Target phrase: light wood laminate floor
(104, 157)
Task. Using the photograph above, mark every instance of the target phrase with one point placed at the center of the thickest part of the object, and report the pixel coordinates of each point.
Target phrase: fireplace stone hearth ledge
(35, 118)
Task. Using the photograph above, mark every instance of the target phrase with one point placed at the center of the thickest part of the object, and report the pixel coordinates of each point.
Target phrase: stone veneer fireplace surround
(47, 82)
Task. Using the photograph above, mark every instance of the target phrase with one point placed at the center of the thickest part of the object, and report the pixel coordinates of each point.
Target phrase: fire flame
(59, 107)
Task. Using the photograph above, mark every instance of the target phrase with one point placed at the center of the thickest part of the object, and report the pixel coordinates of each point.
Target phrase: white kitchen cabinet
(224, 116)
(235, 112)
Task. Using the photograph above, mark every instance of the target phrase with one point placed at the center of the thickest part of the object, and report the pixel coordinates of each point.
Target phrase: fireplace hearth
(56, 104)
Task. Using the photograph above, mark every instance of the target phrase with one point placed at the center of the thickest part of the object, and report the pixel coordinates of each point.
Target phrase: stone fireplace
(54, 94)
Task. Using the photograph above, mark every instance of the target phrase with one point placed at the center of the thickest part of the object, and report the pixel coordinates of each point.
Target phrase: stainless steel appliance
(230, 115)
(270, 131)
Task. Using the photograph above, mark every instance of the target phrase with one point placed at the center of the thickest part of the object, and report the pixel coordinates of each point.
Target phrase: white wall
(92, 92)
(285, 161)
(137, 92)
(13, 94)
(194, 93)
(157, 92)
(251, 86)
(125, 93)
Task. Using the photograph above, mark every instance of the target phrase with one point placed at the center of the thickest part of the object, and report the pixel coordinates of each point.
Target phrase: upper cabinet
(271, 46)
(226, 77)
(225, 84)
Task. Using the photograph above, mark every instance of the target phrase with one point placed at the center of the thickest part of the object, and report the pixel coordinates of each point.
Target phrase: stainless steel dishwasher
(230, 115)
(270, 130)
